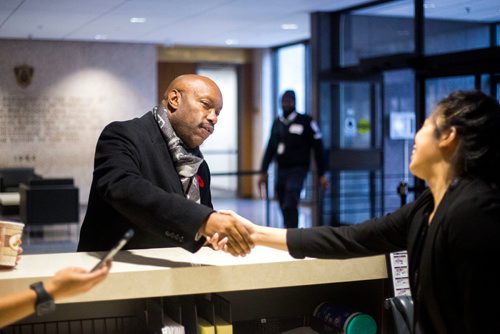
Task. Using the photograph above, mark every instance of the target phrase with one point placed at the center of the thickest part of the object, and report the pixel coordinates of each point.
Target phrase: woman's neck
(439, 185)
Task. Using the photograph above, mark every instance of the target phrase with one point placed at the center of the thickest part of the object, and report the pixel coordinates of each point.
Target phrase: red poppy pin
(201, 183)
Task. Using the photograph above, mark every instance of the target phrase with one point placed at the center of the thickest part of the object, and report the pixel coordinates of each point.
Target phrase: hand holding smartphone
(126, 237)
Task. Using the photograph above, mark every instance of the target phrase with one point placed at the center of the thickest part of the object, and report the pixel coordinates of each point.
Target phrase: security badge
(295, 129)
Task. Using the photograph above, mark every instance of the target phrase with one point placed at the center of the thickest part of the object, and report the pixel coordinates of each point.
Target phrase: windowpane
(452, 27)
(377, 31)
(444, 36)
(439, 88)
(292, 73)
(355, 115)
(498, 34)
(220, 150)
(399, 98)
(360, 196)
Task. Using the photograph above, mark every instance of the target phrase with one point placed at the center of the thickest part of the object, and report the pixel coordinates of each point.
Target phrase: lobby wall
(76, 88)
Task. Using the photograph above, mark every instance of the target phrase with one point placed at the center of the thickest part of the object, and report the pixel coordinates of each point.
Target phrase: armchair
(11, 177)
(49, 201)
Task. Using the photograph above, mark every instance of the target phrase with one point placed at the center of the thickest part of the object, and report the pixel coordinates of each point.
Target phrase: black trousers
(289, 184)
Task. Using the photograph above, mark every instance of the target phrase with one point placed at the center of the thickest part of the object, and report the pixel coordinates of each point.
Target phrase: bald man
(149, 175)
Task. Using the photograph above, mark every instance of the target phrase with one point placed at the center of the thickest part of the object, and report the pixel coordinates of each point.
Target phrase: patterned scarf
(186, 161)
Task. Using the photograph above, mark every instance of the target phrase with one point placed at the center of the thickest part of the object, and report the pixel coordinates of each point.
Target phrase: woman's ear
(449, 139)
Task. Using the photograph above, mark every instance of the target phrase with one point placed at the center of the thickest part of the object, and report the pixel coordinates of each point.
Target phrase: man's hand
(218, 243)
(239, 242)
(323, 182)
(261, 235)
(261, 183)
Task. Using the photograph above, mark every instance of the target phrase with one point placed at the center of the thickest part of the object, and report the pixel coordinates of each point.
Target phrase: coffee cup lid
(17, 224)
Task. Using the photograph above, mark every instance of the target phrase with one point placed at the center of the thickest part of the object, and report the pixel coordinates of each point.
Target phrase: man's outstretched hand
(232, 227)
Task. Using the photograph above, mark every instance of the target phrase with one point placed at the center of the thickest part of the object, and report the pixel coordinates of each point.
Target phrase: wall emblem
(24, 75)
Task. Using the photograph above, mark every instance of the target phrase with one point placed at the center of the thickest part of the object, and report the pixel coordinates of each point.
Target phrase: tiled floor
(64, 238)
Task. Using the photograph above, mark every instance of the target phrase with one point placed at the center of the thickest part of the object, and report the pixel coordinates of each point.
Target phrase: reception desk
(267, 283)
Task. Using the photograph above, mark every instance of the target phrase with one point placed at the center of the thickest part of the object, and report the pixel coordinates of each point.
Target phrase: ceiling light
(289, 26)
(100, 37)
(231, 41)
(137, 19)
(429, 5)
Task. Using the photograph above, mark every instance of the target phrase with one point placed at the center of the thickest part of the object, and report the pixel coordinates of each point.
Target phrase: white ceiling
(235, 23)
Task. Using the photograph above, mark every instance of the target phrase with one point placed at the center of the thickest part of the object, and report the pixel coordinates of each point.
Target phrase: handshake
(227, 231)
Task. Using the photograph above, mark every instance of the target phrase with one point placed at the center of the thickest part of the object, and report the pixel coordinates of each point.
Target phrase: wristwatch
(44, 301)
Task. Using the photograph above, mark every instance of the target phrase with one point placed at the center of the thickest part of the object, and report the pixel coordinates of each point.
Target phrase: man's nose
(212, 116)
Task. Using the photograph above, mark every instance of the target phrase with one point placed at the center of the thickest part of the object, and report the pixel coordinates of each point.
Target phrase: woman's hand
(72, 281)
(215, 243)
(19, 252)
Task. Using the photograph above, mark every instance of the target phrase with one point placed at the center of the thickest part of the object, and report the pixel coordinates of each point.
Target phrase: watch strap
(44, 301)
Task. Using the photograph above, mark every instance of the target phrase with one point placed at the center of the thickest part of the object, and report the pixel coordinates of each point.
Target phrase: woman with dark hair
(451, 231)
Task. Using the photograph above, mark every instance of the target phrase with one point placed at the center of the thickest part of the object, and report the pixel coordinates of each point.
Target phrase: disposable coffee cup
(10, 239)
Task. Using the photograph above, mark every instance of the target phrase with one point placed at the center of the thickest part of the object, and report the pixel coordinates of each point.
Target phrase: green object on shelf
(361, 323)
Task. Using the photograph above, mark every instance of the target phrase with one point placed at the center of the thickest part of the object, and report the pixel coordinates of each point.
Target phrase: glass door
(354, 150)
(495, 84)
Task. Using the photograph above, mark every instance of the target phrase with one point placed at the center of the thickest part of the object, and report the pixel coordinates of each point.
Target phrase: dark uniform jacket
(452, 262)
(135, 185)
(291, 142)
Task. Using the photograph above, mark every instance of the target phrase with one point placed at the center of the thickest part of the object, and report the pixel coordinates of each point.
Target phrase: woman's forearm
(270, 237)
(16, 306)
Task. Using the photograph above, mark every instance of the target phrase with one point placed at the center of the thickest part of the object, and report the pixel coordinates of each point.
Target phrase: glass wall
(443, 36)
(377, 31)
(388, 29)
(355, 115)
(221, 148)
(438, 88)
(498, 34)
(451, 26)
(399, 106)
(291, 74)
(419, 60)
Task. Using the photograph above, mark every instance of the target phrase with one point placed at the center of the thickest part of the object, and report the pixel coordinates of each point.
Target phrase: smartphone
(119, 245)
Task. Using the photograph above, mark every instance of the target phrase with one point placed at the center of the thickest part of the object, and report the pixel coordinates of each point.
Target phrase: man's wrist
(203, 228)
(201, 232)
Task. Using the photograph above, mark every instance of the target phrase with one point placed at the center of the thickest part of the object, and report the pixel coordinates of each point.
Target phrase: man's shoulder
(303, 118)
(143, 120)
(135, 129)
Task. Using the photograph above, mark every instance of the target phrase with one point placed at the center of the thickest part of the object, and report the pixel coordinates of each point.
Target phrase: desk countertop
(175, 271)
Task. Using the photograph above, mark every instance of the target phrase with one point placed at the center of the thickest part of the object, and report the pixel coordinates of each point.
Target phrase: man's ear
(172, 99)
(449, 139)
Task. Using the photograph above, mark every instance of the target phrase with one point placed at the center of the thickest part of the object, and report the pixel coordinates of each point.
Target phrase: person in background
(451, 231)
(150, 175)
(41, 296)
(292, 138)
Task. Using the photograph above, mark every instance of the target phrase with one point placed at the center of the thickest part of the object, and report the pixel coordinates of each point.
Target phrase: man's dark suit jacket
(452, 262)
(135, 185)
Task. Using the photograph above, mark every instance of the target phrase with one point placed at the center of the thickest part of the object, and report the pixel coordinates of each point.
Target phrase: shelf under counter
(264, 284)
